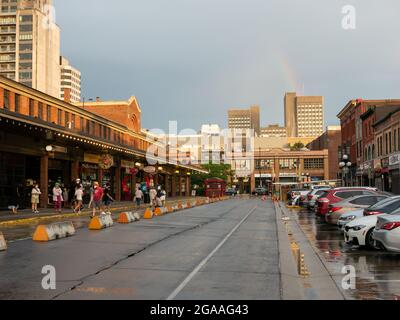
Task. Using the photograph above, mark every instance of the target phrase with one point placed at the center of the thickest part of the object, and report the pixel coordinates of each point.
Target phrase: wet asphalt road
(223, 251)
(378, 272)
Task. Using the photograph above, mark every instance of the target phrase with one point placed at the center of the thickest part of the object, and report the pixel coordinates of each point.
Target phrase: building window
(317, 163)
(66, 120)
(265, 164)
(59, 116)
(40, 110)
(6, 99)
(288, 164)
(72, 121)
(16, 102)
(31, 108)
(48, 113)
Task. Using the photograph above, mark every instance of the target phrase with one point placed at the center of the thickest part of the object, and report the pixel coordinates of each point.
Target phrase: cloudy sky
(192, 60)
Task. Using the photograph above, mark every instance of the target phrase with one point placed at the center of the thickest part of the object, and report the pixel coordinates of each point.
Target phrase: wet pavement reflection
(378, 272)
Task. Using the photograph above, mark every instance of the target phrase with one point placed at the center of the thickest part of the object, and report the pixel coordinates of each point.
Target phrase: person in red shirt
(97, 198)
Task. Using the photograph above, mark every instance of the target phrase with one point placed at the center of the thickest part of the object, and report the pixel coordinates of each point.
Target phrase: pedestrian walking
(98, 194)
(57, 197)
(138, 197)
(35, 198)
(107, 198)
(66, 197)
(158, 197)
(153, 196)
(79, 199)
(163, 197)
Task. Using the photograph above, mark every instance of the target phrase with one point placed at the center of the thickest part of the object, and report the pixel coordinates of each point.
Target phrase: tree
(297, 146)
(221, 171)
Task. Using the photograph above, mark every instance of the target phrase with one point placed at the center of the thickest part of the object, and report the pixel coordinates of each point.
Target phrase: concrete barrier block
(126, 217)
(158, 212)
(148, 214)
(136, 215)
(54, 231)
(101, 222)
(3, 243)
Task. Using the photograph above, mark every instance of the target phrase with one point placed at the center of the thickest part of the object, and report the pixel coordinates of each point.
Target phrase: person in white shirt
(35, 198)
(79, 199)
(138, 197)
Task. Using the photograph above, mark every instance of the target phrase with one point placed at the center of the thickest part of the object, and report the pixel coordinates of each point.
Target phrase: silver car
(358, 213)
(358, 202)
(387, 232)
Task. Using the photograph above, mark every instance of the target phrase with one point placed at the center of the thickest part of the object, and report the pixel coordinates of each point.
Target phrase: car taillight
(371, 213)
(390, 226)
(334, 209)
(309, 197)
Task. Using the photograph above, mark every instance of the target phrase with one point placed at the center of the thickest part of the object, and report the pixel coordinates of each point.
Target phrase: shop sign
(91, 158)
(287, 175)
(106, 161)
(90, 166)
(268, 175)
(394, 159)
(127, 164)
(150, 169)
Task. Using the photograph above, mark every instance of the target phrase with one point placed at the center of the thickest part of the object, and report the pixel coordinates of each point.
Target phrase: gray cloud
(191, 60)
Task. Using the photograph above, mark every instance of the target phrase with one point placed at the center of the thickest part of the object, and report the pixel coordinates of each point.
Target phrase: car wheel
(369, 241)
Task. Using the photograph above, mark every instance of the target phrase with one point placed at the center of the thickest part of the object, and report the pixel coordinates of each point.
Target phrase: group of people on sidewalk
(100, 198)
(157, 197)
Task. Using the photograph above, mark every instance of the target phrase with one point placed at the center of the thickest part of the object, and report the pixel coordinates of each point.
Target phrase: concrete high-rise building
(274, 130)
(290, 114)
(70, 80)
(30, 44)
(304, 115)
(245, 119)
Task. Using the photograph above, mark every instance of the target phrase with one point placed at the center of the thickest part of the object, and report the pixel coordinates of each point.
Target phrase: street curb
(291, 286)
(320, 284)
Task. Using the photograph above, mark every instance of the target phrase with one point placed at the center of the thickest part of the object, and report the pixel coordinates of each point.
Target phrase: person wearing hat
(57, 197)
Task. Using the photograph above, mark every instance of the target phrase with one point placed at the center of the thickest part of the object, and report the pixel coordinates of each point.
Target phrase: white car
(349, 217)
(359, 232)
(387, 232)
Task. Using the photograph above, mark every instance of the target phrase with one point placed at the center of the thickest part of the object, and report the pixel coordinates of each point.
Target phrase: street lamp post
(345, 165)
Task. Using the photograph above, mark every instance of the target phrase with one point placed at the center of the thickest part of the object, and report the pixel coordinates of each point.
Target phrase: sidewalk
(26, 216)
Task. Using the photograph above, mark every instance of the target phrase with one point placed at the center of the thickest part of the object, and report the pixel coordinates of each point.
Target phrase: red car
(338, 194)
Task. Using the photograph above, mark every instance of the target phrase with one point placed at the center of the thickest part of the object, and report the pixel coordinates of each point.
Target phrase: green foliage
(221, 171)
(297, 146)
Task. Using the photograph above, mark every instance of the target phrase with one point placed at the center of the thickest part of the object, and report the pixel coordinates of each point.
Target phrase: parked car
(260, 192)
(338, 194)
(387, 232)
(231, 192)
(296, 196)
(358, 202)
(313, 196)
(359, 231)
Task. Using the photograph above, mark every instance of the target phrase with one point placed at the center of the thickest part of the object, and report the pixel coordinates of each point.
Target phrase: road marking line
(196, 270)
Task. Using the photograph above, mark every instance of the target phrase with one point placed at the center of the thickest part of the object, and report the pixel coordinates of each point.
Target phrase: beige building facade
(304, 115)
(70, 80)
(245, 119)
(30, 44)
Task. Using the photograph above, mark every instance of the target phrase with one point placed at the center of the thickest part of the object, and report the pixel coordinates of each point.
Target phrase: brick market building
(330, 140)
(352, 133)
(47, 140)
